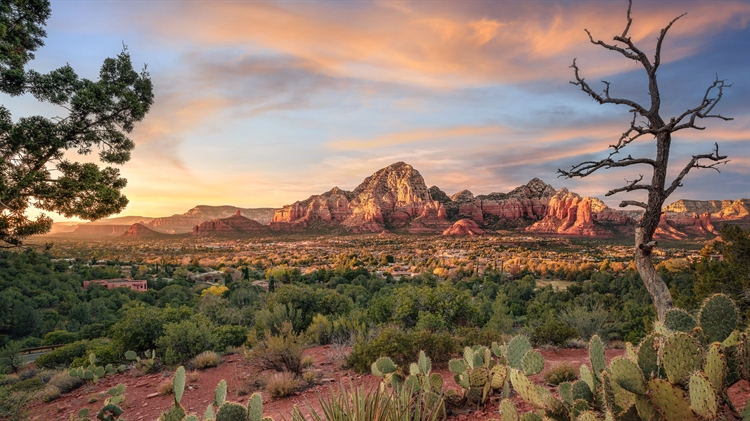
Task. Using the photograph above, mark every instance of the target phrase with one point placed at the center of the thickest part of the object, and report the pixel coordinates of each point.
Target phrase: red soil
(143, 405)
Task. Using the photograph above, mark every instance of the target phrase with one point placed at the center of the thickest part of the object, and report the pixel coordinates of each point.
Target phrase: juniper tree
(655, 126)
(37, 154)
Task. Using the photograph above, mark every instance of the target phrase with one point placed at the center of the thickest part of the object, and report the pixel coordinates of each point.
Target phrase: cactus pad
(131, 356)
(532, 363)
(744, 356)
(530, 416)
(703, 399)
(587, 416)
(457, 366)
(715, 366)
(498, 374)
(627, 375)
(231, 411)
(508, 411)
(670, 401)
(582, 391)
(580, 406)
(525, 388)
(478, 377)
(255, 408)
(385, 365)
(718, 318)
(474, 395)
(220, 395)
(436, 382)
(566, 392)
(425, 365)
(414, 369)
(596, 355)
(588, 377)
(517, 348)
(682, 355)
(178, 384)
(678, 320)
(648, 356)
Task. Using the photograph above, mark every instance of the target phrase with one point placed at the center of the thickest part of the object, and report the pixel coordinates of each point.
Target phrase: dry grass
(282, 384)
(206, 359)
(49, 394)
(307, 362)
(310, 377)
(563, 372)
(193, 376)
(165, 388)
(64, 382)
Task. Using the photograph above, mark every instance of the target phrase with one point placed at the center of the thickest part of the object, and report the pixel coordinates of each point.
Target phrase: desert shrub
(10, 358)
(185, 340)
(206, 359)
(140, 328)
(347, 329)
(193, 376)
(470, 336)
(403, 348)
(63, 356)
(282, 352)
(320, 330)
(282, 384)
(106, 350)
(587, 322)
(59, 337)
(310, 377)
(64, 382)
(553, 332)
(563, 372)
(166, 387)
(13, 404)
(307, 362)
(49, 394)
(27, 385)
(230, 336)
(8, 380)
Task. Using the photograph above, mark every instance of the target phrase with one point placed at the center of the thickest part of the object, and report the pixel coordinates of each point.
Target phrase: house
(119, 282)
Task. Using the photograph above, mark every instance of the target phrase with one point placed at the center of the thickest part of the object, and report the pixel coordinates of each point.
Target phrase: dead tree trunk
(658, 189)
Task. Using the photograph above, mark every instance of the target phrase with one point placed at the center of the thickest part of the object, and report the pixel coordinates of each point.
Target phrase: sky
(260, 104)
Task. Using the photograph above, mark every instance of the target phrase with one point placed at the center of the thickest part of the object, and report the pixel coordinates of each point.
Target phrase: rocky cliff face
(394, 197)
(100, 230)
(234, 225)
(184, 223)
(570, 214)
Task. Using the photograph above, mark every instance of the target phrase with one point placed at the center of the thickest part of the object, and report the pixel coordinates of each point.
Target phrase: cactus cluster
(145, 364)
(110, 411)
(94, 372)
(420, 385)
(218, 410)
(679, 372)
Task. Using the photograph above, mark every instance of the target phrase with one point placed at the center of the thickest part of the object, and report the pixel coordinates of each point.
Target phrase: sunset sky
(260, 104)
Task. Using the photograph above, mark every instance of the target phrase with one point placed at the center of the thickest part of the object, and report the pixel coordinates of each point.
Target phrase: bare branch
(695, 163)
(703, 110)
(630, 20)
(606, 99)
(657, 54)
(626, 203)
(587, 168)
(631, 186)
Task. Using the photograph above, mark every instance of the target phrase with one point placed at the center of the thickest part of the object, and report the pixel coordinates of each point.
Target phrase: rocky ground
(143, 401)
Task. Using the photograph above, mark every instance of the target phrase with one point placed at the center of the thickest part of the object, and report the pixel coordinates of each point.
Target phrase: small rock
(328, 380)
(152, 395)
(144, 405)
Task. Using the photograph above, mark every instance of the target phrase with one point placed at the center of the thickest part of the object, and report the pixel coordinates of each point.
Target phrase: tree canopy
(36, 164)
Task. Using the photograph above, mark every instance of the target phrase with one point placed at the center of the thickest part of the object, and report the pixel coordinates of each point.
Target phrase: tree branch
(695, 163)
(606, 99)
(631, 186)
(703, 110)
(626, 203)
(657, 54)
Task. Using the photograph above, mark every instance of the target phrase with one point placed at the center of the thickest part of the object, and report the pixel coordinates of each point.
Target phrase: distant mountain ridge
(396, 198)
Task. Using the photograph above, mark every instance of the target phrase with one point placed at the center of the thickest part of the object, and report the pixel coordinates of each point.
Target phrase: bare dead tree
(654, 127)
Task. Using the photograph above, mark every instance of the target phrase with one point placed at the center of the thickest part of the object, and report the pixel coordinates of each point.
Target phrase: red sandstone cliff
(140, 231)
(236, 224)
(184, 223)
(570, 214)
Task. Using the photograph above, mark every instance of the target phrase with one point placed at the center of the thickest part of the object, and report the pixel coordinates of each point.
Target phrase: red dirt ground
(142, 405)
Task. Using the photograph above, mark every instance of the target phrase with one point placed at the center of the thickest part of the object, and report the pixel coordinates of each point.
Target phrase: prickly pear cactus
(679, 320)
(178, 384)
(508, 412)
(718, 317)
(517, 348)
(231, 411)
(627, 375)
(596, 355)
(703, 399)
(532, 363)
(682, 355)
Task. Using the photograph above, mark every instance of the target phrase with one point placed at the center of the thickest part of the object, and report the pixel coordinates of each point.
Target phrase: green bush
(186, 339)
(140, 328)
(403, 348)
(59, 337)
(10, 358)
(27, 385)
(470, 336)
(63, 356)
(229, 335)
(282, 352)
(552, 332)
(106, 350)
(320, 330)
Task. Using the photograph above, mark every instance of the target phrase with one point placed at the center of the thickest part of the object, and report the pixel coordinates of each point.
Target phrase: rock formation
(464, 228)
(141, 231)
(393, 197)
(570, 214)
(184, 223)
(100, 230)
(236, 224)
